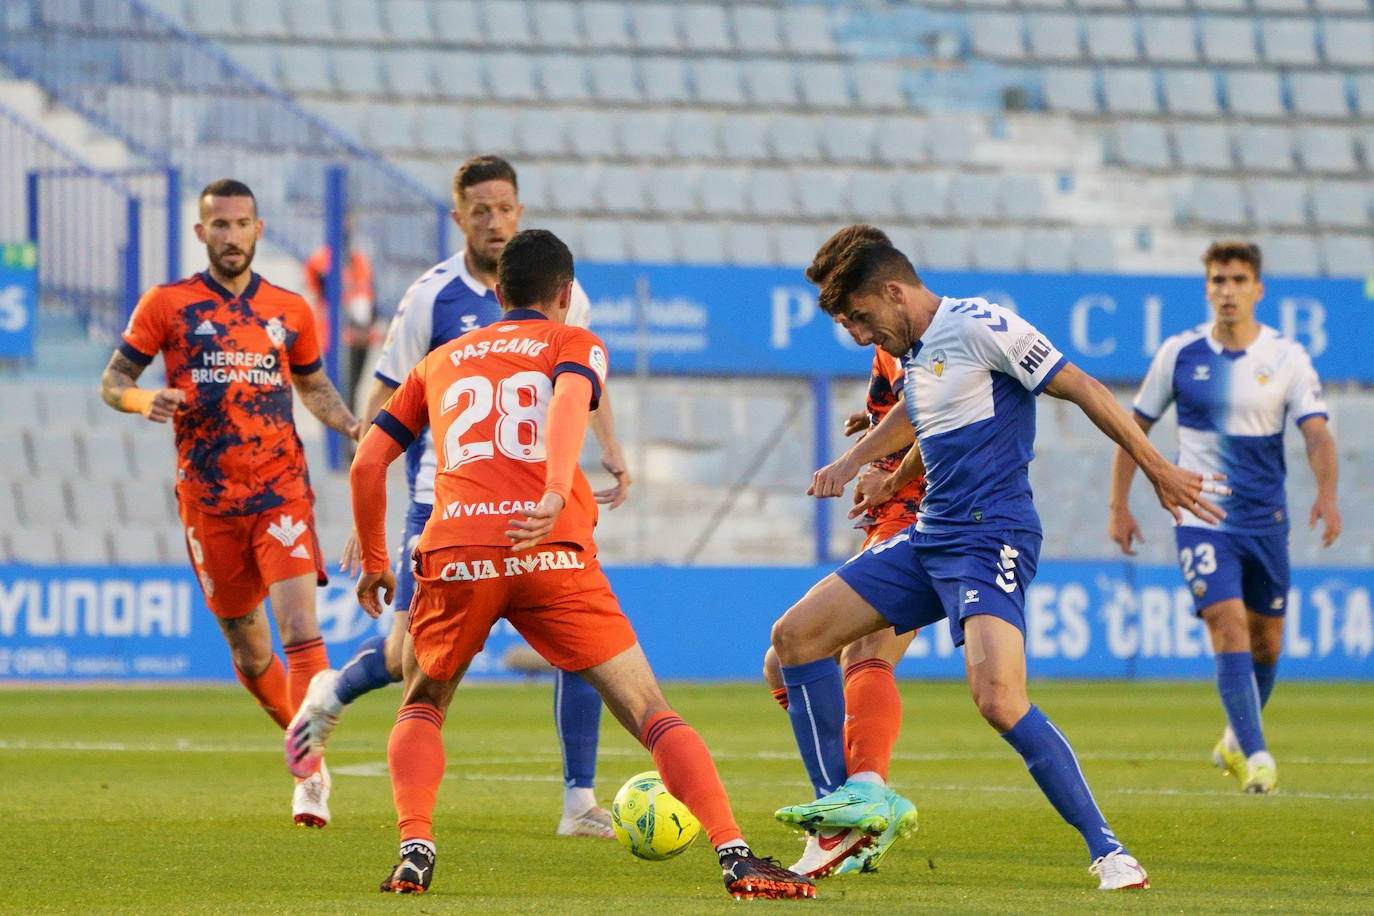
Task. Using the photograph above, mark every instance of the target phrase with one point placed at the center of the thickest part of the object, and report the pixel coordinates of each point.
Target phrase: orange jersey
(884, 387)
(485, 396)
(239, 453)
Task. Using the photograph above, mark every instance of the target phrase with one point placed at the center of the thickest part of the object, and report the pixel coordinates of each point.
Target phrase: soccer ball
(649, 822)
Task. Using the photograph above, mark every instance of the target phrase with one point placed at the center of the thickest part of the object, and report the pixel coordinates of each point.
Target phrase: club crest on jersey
(1199, 587)
(286, 530)
(1264, 373)
(276, 331)
(1202, 373)
(597, 360)
(937, 363)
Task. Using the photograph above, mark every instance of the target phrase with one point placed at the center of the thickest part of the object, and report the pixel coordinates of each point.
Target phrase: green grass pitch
(176, 800)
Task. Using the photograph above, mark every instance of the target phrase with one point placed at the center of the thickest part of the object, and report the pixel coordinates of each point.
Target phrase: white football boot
(827, 847)
(1118, 870)
(310, 800)
(312, 724)
(594, 822)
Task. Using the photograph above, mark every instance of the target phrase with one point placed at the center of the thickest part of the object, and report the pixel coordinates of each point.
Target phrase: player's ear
(500, 296)
(565, 299)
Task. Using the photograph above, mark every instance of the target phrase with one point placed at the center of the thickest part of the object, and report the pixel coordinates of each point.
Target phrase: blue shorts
(416, 516)
(917, 578)
(1219, 565)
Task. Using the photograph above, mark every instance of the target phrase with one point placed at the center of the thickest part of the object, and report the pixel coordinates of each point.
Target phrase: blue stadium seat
(606, 25)
(1225, 6)
(770, 83)
(1142, 145)
(651, 242)
(1296, 7)
(359, 19)
(541, 132)
(440, 130)
(356, 71)
(1190, 92)
(700, 243)
(825, 84)
(756, 28)
(572, 187)
(622, 189)
(262, 19)
(409, 20)
(1347, 255)
(556, 25)
(1340, 204)
(563, 77)
(1023, 197)
(258, 59)
(654, 26)
(849, 139)
(750, 244)
(923, 195)
(1093, 250)
(672, 189)
(510, 76)
(694, 135)
(1342, 6)
(716, 81)
(645, 134)
(613, 78)
(1363, 84)
(1054, 37)
(305, 68)
(1318, 94)
(1265, 147)
(796, 244)
(796, 137)
(506, 23)
(769, 193)
(944, 248)
(1203, 147)
(1327, 149)
(604, 240)
(705, 27)
(997, 35)
(1162, 4)
(878, 85)
(390, 128)
(1255, 93)
(1048, 250)
(664, 79)
(1071, 89)
(172, 9)
(1278, 202)
(975, 196)
(534, 187)
(744, 137)
(494, 128)
(1215, 201)
(722, 191)
(216, 20)
(1348, 42)
(1112, 39)
(311, 19)
(407, 72)
(821, 193)
(999, 249)
(458, 21)
(1170, 39)
(460, 76)
(1130, 90)
(1229, 41)
(592, 133)
(873, 194)
(806, 29)
(1289, 41)
(902, 141)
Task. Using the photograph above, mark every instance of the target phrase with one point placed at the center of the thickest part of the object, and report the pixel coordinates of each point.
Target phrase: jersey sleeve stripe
(306, 368)
(1307, 416)
(1054, 370)
(1144, 416)
(135, 355)
(385, 378)
(586, 373)
(394, 428)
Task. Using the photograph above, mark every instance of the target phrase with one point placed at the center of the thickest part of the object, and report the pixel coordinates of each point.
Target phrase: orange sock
(871, 729)
(780, 695)
(269, 688)
(415, 756)
(303, 661)
(690, 774)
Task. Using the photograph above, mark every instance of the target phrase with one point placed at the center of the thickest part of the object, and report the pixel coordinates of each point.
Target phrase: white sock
(428, 844)
(737, 845)
(578, 801)
(1228, 740)
(867, 776)
(1260, 759)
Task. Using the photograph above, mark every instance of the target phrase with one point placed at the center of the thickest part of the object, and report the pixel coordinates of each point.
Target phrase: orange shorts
(237, 556)
(555, 595)
(876, 534)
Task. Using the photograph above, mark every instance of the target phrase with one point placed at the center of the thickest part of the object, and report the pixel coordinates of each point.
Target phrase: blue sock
(815, 704)
(365, 671)
(1240, 697)
(1054, 767)
(1264, 680)
(577, 716)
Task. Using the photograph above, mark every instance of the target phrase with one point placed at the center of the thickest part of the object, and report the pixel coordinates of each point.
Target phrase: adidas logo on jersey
(206, 327)
(300, 552)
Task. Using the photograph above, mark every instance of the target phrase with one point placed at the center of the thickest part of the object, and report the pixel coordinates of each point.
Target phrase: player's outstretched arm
(886, 486)
(1176, 488)
(322, 399)
(119, 389)
(1121, 524)
(1321, 455)
(367, 481)
(893, 432)
(351, 559)
(612, 458)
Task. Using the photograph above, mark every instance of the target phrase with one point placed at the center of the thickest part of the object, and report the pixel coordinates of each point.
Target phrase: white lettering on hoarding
(95, 607)
(1081, 315)
(1304, 319)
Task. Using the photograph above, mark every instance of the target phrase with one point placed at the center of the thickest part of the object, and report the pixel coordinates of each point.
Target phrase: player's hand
(855, 423)
(351, 560)
(355, 430)
(527, 532)
(831, 479)
(1325, 509)
(873, 489)
(369, 584)
(1180, 490)
(612, 497)
(165, 403)
(1122, 528)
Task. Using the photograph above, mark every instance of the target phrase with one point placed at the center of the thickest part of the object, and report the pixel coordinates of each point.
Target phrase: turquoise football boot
(902, 825)
(863, 806)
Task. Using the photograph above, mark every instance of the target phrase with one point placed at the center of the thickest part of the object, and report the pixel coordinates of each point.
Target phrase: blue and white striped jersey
(971, 382)
(443, 304)
(1232, 405)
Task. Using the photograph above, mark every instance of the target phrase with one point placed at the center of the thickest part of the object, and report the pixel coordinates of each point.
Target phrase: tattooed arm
(322, 399)
(118, 388)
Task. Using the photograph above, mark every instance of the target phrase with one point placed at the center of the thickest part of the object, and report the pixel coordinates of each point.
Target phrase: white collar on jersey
(460, 267)
(1205, 329)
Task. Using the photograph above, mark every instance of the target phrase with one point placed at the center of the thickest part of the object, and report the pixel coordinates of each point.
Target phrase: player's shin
(815, 705)
(1241, 699)
(1053, 765)
(690, 774)
(304, 660)
(577, 718)
(875, 718)
(270, 690)
(364, 672)
(415, 757)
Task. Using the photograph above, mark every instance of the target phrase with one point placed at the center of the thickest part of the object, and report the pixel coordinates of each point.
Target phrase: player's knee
(772, 671)
(1264, 652)
(251, 661)
(789, 642)
(1000, 706)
